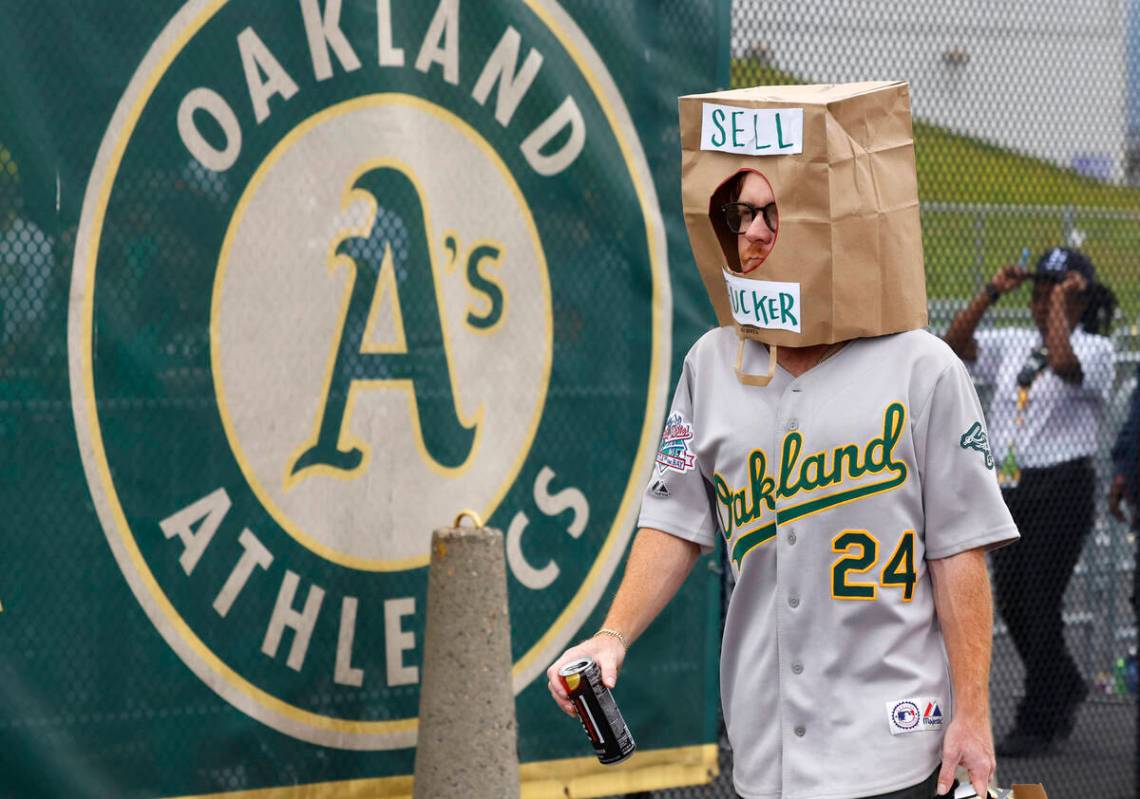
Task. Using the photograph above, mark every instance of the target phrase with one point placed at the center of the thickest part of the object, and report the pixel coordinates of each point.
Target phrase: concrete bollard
(467, 742)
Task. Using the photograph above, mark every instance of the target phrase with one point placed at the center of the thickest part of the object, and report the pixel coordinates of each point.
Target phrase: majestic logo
(932, 716)
(674, 450)
(334, 285)
(975, 438)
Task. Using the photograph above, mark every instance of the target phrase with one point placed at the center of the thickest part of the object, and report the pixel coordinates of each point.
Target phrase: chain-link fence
(1024, 113)
(1027, 118)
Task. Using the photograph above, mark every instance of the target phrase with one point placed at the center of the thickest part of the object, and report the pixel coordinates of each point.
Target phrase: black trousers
(1136, 616)
(924, 790)
(1053, 509)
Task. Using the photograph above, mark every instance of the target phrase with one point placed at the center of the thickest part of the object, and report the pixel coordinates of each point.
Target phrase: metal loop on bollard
(467, 514)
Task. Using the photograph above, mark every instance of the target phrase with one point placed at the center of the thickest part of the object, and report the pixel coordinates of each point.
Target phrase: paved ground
(1098, 761)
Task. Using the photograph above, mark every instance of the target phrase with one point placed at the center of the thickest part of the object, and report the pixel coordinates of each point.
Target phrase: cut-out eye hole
(739, 216)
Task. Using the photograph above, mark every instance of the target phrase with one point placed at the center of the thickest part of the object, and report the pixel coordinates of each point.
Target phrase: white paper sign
(752, 131)
(764, 303)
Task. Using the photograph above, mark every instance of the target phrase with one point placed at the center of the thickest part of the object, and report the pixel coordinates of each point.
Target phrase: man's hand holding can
(606, 650)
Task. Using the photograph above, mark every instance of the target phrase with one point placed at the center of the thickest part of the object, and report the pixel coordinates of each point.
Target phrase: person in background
(1125, 487)
(1051, 384)
(1125, 458)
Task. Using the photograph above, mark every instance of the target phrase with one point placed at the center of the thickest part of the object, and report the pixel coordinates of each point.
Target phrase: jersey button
(794, 601)
(791, 539)
(792, 424)
(797, 668)
(799, 731)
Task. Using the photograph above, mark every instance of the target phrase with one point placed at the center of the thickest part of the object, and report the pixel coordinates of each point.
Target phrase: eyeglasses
(739, 216)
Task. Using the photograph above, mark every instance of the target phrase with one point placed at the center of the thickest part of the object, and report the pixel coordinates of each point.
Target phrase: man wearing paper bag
(838, 450)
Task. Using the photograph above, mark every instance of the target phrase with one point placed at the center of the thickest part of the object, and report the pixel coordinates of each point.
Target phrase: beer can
(597, 711)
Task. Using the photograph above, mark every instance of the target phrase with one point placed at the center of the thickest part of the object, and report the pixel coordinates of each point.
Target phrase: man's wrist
(612, 633)
(972, 712)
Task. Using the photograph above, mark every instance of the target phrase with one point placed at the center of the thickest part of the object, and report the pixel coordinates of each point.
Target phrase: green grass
(964, 248)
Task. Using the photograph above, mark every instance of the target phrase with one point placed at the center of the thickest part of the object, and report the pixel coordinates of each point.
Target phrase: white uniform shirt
(1061, 421)
(830, 490)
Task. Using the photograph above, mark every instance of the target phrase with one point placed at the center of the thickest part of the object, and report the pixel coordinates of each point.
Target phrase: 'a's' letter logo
(405, 249)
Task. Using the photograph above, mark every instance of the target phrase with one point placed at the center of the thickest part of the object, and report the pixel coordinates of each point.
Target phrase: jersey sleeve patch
(675, 452)
(975, 438)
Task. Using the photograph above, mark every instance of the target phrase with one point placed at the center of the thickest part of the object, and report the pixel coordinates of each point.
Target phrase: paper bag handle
(754, 380)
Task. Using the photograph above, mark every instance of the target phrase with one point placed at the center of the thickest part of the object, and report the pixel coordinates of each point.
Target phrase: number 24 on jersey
(860, 552)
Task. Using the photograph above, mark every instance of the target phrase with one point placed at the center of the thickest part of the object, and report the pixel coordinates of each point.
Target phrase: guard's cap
(1059, 261)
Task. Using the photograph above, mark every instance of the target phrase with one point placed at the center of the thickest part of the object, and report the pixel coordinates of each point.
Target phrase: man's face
(1041, 303)
(755, 242)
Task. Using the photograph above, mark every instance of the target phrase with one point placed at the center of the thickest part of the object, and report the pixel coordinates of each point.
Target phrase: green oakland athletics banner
(286, 285)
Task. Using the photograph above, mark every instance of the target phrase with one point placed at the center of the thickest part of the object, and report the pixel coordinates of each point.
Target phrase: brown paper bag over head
(820, 183)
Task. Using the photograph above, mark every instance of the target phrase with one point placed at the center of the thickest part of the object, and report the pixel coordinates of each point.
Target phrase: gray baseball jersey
(830, 491)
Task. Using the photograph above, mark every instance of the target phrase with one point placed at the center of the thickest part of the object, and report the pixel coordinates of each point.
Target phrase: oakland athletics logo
(975, 438)
(333, 285)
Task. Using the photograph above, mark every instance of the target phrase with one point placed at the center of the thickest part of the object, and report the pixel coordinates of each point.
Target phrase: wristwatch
(993, 292)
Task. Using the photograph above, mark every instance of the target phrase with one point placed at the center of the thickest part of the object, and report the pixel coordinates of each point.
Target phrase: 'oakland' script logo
(333, 285)
(827, 479)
